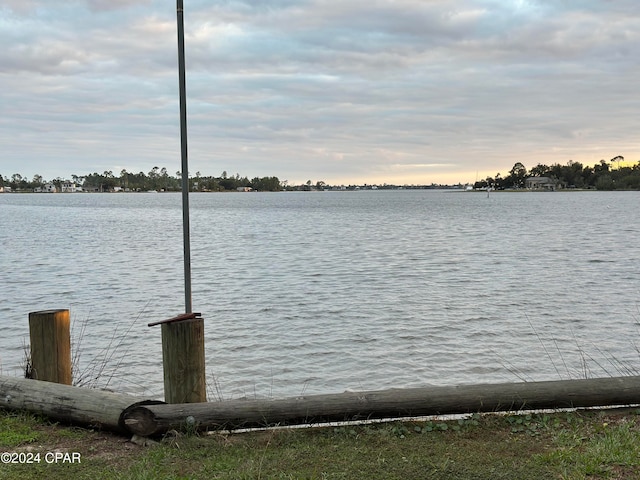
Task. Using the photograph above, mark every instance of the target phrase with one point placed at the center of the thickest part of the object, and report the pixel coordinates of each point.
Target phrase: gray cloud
(107, 5)
(352, 91)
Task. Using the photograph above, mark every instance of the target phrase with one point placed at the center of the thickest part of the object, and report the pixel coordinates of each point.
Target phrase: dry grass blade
(100, 371)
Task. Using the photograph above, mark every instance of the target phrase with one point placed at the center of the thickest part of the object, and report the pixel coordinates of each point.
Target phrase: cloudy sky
(345, 91)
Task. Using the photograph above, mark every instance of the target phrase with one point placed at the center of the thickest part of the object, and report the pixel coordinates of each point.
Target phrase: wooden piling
(50, 340)
(183, 359)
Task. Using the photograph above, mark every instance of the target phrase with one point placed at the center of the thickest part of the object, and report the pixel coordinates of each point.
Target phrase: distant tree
(210, 184)
(618, 159)
(539, 170)
(153, 180)
(37, 181)
(124, 178)
(517, 175)
(163, 179)
(605, 182)
(58, 183)
(266, 184)
(629, 180)
(555, 171)
(95, 180)
(499, 183)
(488, 182)
(571, 174)
(227, 183)
(587, 177)
(108, 181)
(140, 181)
(18, 182)
(601, 167)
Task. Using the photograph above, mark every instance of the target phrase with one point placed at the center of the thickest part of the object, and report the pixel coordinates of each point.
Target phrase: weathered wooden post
(183, 358)
(50, 346)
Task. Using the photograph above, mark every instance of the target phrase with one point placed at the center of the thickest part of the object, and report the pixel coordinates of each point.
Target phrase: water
(328, 291)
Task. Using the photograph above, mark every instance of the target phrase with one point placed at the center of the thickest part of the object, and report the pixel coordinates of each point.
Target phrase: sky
(341, 91)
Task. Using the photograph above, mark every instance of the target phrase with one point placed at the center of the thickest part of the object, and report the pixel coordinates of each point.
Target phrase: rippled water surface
(328, 291)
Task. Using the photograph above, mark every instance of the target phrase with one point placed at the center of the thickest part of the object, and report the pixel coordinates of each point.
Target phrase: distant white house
(46, 188)
(69, 187)
(245, 189)
(6, 189)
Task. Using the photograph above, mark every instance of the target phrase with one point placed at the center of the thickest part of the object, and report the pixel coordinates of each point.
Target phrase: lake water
(321, 292)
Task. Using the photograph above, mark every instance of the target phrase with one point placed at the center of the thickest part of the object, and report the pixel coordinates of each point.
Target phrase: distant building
(543, 183)
(46, 188)
(245, 189)
(6, 189)
(69, 187)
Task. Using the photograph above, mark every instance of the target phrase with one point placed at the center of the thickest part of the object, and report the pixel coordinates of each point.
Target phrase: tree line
(605, 175)
(157, 179)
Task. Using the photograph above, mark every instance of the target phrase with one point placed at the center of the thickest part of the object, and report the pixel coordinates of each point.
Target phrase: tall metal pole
(185, 165)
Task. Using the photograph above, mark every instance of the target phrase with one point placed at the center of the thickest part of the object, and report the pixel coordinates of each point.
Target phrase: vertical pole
(183, 359)
(185, 166)
(50, 346)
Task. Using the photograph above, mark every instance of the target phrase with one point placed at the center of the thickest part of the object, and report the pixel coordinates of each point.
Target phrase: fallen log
(81, 406)
(128, 414)
(150, 420)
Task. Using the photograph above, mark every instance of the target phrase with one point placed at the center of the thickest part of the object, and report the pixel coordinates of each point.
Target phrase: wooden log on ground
(149, 420)
(50, 346)
(81, 406)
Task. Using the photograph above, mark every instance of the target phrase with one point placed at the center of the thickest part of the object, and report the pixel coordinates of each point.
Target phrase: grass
(100, 371)
(102, 367)
(593, 444)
